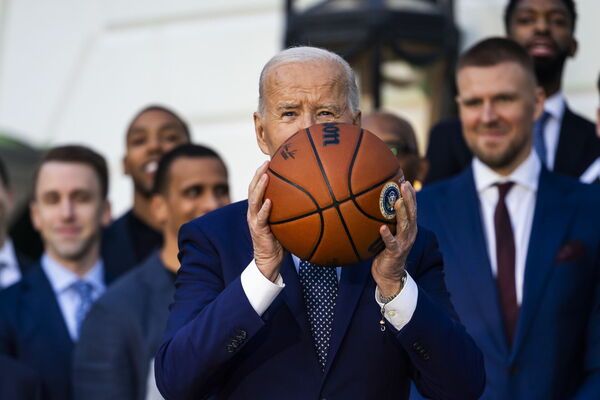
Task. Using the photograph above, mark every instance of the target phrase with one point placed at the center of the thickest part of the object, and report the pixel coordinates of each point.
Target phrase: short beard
(142, 190)
(503, 160)
(547, 71)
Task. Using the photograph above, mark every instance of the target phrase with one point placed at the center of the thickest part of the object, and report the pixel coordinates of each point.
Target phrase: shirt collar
(555, 105)
(525, 175)
(62, 278)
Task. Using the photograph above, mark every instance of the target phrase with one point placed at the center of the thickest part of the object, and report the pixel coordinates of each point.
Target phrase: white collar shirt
(520, 202)
(61, 279)
(9, 272)
(554, 105)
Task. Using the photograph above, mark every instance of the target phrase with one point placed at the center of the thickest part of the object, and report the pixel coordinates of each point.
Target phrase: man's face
(196, 186)
(544, 28)
(151, 135)
(299, 95)
(498, 106)
(68, 209)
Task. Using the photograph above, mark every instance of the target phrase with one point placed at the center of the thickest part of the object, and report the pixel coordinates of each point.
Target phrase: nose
(154, 145)
(67, 209)
(488, 113)
(307, 120)
(541, 25)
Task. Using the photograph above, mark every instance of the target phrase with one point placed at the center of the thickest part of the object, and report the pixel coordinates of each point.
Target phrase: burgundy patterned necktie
(505, 257)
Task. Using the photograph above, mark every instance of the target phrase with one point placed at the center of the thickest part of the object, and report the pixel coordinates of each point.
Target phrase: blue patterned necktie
(84, 290)
(539, 144)
(319, 288)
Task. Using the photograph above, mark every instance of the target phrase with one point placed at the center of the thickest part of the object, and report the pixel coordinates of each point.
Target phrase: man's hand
(388, 266)
(268, 252)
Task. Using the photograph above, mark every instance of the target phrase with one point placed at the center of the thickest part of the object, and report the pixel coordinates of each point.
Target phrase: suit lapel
(571, 141)
(44, 317)
(352, 283)
(464, 228)
(550, 222)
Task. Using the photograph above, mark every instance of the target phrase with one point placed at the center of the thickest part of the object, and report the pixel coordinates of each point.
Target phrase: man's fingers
(388, 239)
(257, 176)
(410, 201)
(256, 196)
(263, 214)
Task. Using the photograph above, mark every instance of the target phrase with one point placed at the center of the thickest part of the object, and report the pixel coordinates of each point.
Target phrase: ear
(106, 217)
(357, 118)
(540, 97)
(260, 134)
(159, 209)
(124, 165)
(573, 47)
(423, 169)
(34, 214)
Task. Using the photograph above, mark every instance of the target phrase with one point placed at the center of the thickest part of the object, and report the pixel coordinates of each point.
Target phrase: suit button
(513, 370)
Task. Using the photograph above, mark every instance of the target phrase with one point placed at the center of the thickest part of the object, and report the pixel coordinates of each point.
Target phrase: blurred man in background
(41, 315)
(565, 142)
(400, 137)
(12, 264)
(521, 244)
(154, 131)
(125, 326)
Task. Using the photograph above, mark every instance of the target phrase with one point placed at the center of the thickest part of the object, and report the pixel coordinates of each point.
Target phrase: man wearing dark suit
(40, 316)
(125, 326)
(131, 238)
(17, 381)
(239, 328)
(565, 141)
(521, 244)
(12, 264)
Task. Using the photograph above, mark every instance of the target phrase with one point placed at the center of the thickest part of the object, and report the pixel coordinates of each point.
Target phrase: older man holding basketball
(252, 321)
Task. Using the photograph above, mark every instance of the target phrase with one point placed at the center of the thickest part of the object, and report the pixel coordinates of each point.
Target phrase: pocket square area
(572, 250)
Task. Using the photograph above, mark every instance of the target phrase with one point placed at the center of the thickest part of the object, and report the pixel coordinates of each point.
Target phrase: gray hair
(307, 54)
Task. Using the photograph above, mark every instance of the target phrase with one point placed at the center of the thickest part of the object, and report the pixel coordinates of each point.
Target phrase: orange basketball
(332, 186)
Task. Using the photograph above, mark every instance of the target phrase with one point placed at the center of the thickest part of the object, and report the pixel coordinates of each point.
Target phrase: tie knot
(83, 288)
(541, 121)
(503, 189)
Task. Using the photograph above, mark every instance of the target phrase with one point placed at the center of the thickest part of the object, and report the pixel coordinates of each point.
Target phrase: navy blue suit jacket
(556, 353)
(216, 344)
(578, 147)
(32, 330)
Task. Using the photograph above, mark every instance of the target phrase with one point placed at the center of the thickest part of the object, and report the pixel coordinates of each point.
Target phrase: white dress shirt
(68, 299)
(10, 272)
(261, 292)
(520, 202)
(554, 105)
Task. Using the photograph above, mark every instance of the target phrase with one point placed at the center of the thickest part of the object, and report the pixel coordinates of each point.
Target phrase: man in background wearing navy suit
(565, 141)
(521, 244)
(239, 328)
(40, 316)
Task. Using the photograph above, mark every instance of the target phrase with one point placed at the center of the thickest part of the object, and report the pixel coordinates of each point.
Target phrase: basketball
(332, 186)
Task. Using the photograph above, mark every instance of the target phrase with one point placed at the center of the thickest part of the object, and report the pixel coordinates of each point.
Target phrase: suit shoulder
(221, 220)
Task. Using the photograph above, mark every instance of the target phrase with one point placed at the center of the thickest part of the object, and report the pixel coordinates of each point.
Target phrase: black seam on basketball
(354, 196)
(318, 210)
(335, 202)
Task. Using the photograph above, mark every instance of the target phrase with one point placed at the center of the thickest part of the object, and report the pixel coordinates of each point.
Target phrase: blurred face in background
(299, 95)
(399, 136)
(545, 29)
(196, 186)
(150, 135)
(69, 210)
(498, 106)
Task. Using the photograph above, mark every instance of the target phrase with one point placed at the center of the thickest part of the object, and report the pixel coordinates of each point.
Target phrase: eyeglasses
(401, 148)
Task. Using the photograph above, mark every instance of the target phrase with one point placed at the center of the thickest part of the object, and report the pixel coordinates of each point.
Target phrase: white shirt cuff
(400, 310)
(259, 290)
